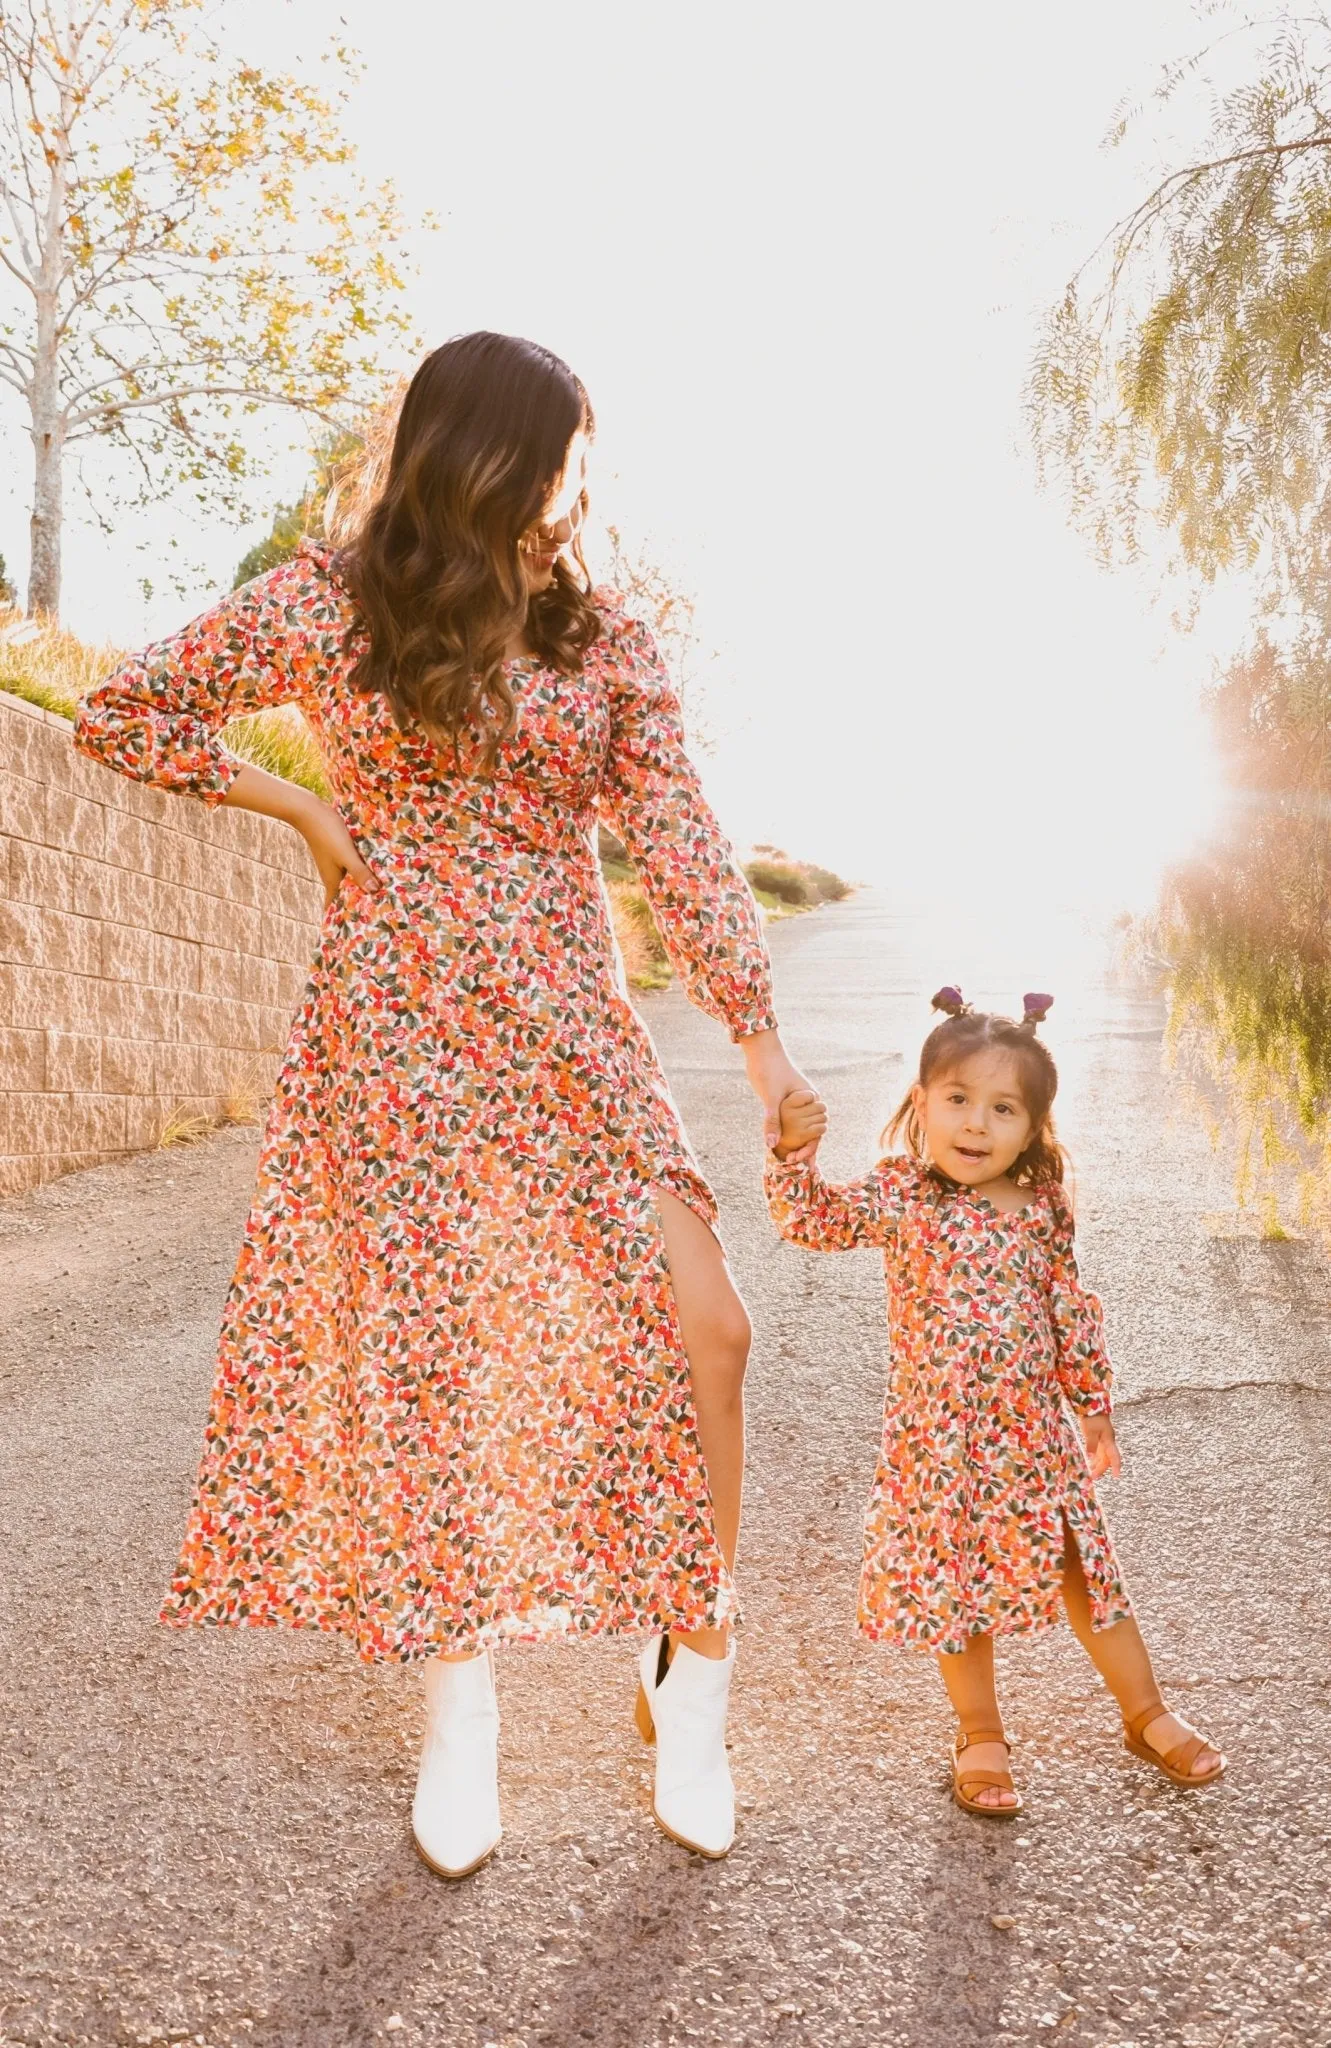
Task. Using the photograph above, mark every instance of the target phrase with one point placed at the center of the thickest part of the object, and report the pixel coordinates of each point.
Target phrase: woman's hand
(773, 1075)
(333, 848)
(1101, 1445)
(330, 843)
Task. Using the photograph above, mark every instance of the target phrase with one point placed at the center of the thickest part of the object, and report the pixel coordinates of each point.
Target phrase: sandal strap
(1143, 1720)
(1185, 1754)
(983, 1779)
(966, 1740)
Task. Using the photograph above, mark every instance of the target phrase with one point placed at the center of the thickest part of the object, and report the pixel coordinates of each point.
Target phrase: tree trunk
(44, 397)
(48, 442)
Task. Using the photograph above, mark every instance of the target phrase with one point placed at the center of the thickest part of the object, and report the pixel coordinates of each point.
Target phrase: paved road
(203, 1837)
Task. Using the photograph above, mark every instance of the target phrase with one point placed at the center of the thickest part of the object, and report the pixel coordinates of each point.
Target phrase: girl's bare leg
(1122, 1660)
(715, 1327)
(969, 1677)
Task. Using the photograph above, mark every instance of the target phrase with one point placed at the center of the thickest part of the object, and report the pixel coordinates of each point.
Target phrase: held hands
(774, 1078)
(1101, 1445)
(803, 1125)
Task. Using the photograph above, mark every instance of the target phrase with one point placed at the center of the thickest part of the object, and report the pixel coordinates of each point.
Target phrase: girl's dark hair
(480, 442)
(965, 1032)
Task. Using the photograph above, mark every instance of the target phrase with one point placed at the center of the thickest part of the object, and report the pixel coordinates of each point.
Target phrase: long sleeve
(1084, 1371)
(651, 798)
(159, 717)
(823, 1217)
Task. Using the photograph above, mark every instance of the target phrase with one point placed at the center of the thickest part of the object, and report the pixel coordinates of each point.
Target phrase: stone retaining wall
(151, 954)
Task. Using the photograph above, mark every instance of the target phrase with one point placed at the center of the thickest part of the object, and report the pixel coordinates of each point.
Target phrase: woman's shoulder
(624, 640)
(304, 597)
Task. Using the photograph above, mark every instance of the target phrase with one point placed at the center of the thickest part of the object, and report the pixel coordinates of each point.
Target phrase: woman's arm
(651, 798)
(319, 825)
(159, 717)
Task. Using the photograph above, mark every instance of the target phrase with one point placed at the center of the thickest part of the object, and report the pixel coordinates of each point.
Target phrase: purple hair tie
(1036, 1008)
(951, 1001)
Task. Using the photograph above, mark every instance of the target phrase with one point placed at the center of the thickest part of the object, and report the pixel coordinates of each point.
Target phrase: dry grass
(281, 742)
(43, 664)
(644, 956)
(184, 1126)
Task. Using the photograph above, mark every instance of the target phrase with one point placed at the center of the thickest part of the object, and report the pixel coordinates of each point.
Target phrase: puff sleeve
(824, 1217)
(158, 718)
(1084, 1372)
(651, 798)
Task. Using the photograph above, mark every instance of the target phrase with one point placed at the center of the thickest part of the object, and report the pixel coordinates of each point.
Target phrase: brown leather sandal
(965, 1783)
(1176, 1763)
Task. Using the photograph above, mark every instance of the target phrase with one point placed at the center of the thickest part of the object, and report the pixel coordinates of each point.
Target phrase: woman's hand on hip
(319, 825)
(772, 1076)
(333, 850)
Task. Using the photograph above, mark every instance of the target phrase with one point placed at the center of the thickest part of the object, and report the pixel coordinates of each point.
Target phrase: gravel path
(203, 1837)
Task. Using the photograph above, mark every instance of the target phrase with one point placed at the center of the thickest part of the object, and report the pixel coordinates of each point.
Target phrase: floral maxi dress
(452, 1406)
(992, 1334)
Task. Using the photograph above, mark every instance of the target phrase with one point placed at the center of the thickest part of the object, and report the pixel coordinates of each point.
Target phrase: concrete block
(36, 937)
(39, 998)
(128, 1065)
(126, 953)
(175, 963)
(75, 824)
(18, 1175)
(22, 807)
(22, 1061)
(38, 874)
(73, 1063)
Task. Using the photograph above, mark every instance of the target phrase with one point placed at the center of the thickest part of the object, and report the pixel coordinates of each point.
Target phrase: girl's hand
(1101, 1445)
(803, 1122)
(332, 846)
(773, 1075)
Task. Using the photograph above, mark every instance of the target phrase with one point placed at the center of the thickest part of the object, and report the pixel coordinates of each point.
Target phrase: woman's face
(541, 545)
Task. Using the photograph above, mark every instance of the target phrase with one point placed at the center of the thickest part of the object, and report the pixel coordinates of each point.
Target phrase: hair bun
(1036, 1008)
(951, 1001)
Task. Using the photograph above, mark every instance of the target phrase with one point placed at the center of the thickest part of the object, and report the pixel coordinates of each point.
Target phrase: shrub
(645, 960)
(783, 880)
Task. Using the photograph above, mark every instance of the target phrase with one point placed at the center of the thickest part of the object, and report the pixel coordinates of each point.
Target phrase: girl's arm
(1084, 1371)
(810, 1211)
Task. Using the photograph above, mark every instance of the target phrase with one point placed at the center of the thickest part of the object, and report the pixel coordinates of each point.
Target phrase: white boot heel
(455, 1814)
(685, 1710)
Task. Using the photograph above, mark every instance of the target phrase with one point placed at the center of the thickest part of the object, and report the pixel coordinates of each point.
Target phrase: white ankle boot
(455, 1814)
(685, 1713)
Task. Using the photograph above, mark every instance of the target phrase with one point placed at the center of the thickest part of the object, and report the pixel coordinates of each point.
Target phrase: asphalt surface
(203, 1837)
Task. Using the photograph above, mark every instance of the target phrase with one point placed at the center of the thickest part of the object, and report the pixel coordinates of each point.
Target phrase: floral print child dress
(452, 1404)
(991, 1336)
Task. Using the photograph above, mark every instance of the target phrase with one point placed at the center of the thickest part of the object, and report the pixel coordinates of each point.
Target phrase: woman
(481, 1362)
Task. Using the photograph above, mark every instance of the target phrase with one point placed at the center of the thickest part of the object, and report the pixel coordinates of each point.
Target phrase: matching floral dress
(452, 1404)
(992, 1335)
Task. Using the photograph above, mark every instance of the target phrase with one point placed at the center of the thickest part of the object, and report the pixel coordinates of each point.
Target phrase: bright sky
(798, 257)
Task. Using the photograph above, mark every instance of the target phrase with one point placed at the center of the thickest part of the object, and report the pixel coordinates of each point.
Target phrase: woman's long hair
(957, 1039)
(434, 567)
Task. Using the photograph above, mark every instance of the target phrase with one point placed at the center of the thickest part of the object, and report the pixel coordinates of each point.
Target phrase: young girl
(983, 1517)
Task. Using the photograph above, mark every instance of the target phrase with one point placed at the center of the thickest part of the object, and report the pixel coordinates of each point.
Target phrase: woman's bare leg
(1123, 1661)
(715, 1327)
(969, 1677)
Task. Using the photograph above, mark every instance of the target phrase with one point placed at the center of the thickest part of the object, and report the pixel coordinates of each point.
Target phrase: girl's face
(541, 545)
(975, 1124)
